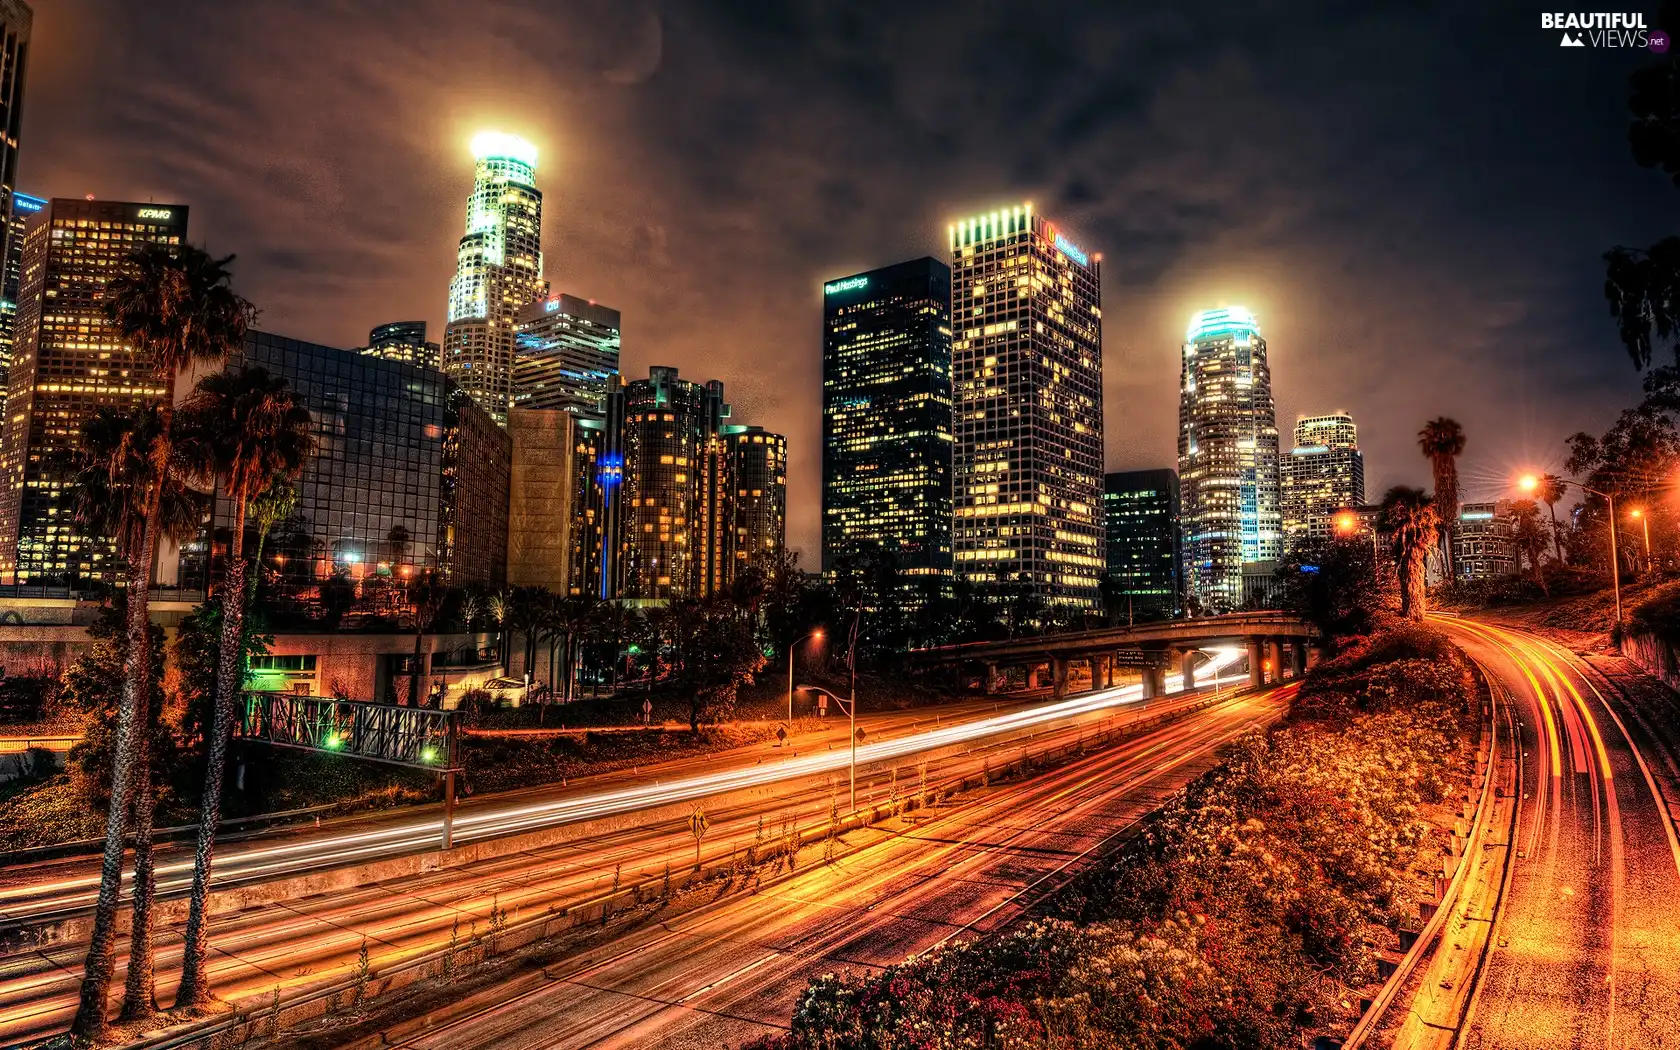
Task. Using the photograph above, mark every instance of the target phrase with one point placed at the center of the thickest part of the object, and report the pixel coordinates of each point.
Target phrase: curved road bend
(1587, 942)
(735, 971)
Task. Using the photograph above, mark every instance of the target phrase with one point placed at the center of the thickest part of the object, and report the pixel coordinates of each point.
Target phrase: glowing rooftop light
(499, 144)
(1226, 320)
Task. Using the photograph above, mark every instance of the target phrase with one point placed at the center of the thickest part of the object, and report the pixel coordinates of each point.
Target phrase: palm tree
(496, 610)
(1529, 538)
(1550, 493)
(119, 459)
(247, 429)
(1442, 442)
(173, 306)
(268, 508)
(1408, 518)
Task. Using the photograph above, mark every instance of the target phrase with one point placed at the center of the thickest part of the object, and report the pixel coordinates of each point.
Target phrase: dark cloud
(1413, 197)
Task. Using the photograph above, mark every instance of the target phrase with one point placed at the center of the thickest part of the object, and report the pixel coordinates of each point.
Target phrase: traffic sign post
(697, 825)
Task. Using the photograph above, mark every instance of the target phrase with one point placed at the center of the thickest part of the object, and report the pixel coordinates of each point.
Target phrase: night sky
(1413, 199)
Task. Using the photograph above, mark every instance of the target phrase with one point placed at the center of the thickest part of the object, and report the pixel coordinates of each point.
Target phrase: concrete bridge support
(1256, 664)
(1187, 667)
(1102, 672)
(1058, 677)
(1274, 660)
(1154, 683)
(1032, 676)
(995, 682)
(1298, 662)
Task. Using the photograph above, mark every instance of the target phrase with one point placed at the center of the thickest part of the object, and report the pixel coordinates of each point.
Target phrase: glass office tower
(1145, 552)
(565, 350)
(1026, 319)
(1323, 473)
(67, 364)
(887, 417)
(1227, 456)
(498, 270)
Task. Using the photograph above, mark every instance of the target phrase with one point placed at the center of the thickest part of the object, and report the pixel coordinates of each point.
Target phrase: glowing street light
(1347, 524)
(1530, 483)
(817, 634)
(1638, 515)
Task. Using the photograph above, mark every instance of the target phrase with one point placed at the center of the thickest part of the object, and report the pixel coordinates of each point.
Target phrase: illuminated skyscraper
(1145, 549)
(758, 500)
(1227, 455)
(403, 341)
(887, 416)
(498, 270)
(667, 522)
(565, 350)
(23, 208)
(1323, 474)
(68, 362)
(16, 20)
(1026, 319)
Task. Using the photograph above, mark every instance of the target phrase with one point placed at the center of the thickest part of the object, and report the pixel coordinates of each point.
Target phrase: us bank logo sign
(1604, 29)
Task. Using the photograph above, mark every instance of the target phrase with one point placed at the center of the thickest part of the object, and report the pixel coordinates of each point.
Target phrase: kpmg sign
(153, 213)
(850, 284)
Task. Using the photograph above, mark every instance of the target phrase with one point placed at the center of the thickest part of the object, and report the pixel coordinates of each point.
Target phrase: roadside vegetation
(1248, 912)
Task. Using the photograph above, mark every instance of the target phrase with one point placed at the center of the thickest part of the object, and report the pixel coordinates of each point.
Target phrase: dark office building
(758, 469)
(403, 341)
(565, 350)
(409, 475)
(69, 363)
(15, 209)
(1145, 549)
(887, 416)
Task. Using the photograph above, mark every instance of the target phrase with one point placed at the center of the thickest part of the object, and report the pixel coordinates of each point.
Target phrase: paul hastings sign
(1598, 28)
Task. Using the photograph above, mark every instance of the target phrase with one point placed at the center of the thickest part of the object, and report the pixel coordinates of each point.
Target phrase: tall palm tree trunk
(140, 989)
(132, 718)
(195, 986)
(1557, 540)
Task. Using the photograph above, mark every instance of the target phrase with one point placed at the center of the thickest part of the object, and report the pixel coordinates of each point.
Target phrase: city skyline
(690, 258)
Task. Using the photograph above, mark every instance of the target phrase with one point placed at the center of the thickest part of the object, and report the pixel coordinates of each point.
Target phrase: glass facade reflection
(409, 475)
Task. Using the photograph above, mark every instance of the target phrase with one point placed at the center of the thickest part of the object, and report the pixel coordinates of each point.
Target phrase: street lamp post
(1529, 483)
(814, 634)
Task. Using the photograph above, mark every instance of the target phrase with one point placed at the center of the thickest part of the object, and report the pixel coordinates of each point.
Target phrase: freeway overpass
(1278, 644)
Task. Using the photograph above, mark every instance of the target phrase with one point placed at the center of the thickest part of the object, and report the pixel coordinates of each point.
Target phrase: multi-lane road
(734, 971)
(1585, 947)
(293, 944)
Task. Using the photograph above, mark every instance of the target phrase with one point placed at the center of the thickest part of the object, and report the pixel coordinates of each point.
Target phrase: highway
(1586, 941)
(734, 971)
(293, 945)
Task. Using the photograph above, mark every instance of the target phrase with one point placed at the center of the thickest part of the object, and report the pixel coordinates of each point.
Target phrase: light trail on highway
(21, 903)
(1587, 946)
(291, 945)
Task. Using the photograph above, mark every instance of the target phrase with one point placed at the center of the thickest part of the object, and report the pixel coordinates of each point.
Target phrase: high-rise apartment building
(1227, 456)
(16, 21)
(1145, 549)
(758, 502)
(565, 351)
(403, 341)
(669, 500)
(1485, 545)
(498, 270)
(67, 363)
(887, 416)
(1026, 320)
(665, 433)
(1324, 473)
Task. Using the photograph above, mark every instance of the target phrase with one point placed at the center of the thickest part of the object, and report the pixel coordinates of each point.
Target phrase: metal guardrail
(14, 744)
